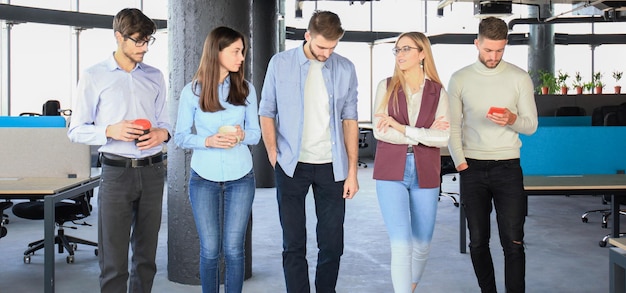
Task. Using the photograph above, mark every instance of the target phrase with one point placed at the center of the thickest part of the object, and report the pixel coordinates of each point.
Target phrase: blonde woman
(411, 124)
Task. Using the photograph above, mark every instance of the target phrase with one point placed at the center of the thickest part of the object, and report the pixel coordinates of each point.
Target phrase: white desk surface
(575, 182)
(38, 186)
(619, 242)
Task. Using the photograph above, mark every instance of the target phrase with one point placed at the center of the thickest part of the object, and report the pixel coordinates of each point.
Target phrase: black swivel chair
(570, 111)
(447, 167)
(71, 210)
(606, 213)
(363, 144)
(5, 218)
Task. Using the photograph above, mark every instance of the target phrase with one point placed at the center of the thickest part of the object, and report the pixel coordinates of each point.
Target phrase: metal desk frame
(50, 200)
(615, 185)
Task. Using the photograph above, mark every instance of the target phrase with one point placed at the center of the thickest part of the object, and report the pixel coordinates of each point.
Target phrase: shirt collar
(302, 59)
(112, 64)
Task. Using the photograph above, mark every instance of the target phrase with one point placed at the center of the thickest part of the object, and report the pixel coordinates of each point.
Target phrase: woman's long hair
(398, 79)
(208, 74)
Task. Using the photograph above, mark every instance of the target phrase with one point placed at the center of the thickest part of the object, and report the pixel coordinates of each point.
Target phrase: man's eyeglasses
(403, 50)
(141, 43)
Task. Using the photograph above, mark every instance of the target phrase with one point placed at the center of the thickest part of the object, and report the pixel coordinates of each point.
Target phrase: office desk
(615, 185)
(617, 265)
(52, 190)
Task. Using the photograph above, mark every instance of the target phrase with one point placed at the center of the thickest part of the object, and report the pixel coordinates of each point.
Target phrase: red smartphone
(496, 110)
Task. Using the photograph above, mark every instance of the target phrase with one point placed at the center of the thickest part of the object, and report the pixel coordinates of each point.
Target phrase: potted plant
(597, 82)
(617, 75)
(548, 82)
(588, 86)
(578, 83)
(560, 80)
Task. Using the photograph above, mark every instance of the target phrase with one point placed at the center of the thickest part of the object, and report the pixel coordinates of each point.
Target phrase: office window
(40, 66)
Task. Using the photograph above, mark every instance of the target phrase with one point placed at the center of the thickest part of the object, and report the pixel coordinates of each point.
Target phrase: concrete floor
(562, 252)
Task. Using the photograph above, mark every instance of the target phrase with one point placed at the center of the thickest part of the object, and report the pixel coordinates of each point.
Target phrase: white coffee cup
(227, 129)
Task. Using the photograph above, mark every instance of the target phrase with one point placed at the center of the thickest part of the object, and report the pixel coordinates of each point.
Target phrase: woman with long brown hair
(222, 107)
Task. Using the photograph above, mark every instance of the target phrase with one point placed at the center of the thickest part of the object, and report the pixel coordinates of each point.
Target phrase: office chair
(64, 211)
(570, 111)
(606, 213)
(450, 183)
(362, 144)
(5, 218)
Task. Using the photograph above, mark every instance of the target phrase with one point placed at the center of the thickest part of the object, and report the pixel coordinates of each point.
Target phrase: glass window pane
(41, 67)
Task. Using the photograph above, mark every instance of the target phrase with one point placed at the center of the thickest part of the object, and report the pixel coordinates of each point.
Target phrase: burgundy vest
(390, 158)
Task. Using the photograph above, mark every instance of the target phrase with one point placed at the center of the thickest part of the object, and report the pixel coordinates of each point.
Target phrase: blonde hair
(398, 80)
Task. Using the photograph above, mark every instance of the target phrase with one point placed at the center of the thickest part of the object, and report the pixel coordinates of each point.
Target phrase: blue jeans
(502, 182)
(409, 213)
(330, 207)
(221, 211)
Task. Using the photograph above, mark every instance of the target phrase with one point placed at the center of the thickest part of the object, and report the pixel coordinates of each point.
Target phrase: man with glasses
(111, 95)
(309, 124)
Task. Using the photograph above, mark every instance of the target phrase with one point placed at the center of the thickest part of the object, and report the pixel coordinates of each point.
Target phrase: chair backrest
(605, 116)
(570, 111)
(51, 108)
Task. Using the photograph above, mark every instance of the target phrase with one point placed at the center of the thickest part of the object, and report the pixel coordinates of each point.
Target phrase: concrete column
(540, 43)
(189, 22)
(265, 45)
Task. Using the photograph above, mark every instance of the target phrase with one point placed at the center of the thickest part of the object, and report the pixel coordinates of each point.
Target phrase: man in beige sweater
(491, 102)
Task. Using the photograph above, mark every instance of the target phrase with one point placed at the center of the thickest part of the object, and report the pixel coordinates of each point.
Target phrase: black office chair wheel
(27, 259)
(585, 220)
(70, 259)
(602, 243)
(74, 246)
(456, 204)
(95, 251)
(604, 225)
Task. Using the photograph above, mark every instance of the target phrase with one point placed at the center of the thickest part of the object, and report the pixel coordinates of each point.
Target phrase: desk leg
(617, 273)
(615, 215)
(48, 277)
(462, 226)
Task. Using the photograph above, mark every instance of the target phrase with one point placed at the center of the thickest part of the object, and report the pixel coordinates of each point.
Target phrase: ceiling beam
(20, 14)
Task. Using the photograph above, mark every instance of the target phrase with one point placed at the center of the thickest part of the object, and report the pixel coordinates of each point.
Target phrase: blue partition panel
(574, 150)
(565, 121)
(32, 121)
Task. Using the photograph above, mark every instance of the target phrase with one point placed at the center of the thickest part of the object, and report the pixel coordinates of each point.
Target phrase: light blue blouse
(217, 164)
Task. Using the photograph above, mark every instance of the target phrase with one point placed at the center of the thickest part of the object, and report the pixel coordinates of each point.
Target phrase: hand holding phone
(496, 110)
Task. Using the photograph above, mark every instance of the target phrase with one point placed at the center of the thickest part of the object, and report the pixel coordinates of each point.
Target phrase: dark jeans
(502, 182)
(129, 211)
(330, 210)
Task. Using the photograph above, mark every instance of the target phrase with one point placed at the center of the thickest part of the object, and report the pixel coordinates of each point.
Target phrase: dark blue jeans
(330, 210)
(501, 182)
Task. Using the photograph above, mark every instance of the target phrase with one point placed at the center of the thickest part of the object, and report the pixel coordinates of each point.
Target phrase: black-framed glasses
(141, 43)
(403, 50)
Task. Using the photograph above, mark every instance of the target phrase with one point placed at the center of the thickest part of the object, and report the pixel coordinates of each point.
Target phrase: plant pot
(544, 90)
(618, 89)
(564, 90)
(579, 90)
(598, 90)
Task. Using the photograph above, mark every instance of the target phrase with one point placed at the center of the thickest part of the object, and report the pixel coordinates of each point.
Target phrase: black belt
(119, 161)
(409, 150)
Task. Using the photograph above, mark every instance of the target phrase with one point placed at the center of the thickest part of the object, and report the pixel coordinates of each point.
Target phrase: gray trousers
(129, 211)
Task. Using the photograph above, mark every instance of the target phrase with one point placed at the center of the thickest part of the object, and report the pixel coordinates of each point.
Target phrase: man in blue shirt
(110, 96)
(308, 114)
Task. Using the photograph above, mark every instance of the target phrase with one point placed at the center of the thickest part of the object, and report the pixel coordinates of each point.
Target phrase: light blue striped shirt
(282, 99)
(217, 164)
(106, 95)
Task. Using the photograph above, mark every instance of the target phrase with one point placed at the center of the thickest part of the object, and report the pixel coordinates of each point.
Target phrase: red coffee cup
(145, 125)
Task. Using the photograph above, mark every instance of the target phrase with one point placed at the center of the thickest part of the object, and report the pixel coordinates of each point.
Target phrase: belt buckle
(134, 163)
